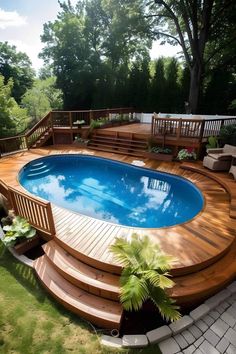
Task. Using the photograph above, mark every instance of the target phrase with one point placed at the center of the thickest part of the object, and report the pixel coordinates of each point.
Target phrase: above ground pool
(112, 191)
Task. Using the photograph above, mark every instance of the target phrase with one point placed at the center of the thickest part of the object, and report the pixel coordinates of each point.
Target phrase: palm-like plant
(145, 275)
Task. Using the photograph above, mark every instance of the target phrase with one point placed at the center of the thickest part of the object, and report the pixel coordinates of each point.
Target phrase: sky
(21, 24)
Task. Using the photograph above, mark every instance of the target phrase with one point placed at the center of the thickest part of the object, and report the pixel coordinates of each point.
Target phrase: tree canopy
(206, 32)
(16, 65)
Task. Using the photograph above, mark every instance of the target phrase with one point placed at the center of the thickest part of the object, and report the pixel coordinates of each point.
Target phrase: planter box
(27, 245)
(159, 156)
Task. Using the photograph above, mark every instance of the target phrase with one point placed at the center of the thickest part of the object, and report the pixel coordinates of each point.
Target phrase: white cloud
(31, 50)
(11, 19)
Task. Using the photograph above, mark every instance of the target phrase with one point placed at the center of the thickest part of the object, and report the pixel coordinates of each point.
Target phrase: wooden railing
(188, 128)
(37, 212)
(8, 145)
(54, 119)
(43, 126)
(68, 118)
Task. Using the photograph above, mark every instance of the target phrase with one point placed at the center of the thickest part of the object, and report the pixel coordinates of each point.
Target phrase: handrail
(37, 212)
(37, 124)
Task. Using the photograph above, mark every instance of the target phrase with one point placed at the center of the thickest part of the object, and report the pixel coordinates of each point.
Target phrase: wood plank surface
(195, 244)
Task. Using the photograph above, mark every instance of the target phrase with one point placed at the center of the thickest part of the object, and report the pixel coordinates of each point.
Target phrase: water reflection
(121, 195)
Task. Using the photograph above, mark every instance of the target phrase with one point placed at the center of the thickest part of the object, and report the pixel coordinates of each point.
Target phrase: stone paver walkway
(212, 333)
(208, 329)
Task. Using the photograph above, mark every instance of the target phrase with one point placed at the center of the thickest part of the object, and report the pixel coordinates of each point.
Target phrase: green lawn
(31, 322)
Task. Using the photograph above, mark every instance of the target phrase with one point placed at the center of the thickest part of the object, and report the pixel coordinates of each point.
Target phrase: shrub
(18, 231)
(228, 134)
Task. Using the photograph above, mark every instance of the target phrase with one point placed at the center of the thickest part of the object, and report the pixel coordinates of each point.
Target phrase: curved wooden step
(196, 287)
(102, 312)
(94, 281)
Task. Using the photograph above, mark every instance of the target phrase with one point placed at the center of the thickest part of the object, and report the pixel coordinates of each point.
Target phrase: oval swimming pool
(112, 191)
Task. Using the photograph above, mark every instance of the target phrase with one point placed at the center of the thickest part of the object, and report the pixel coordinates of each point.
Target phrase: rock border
(168, 337)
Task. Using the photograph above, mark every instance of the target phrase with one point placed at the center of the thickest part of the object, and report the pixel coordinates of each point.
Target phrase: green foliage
(18, 231)
(86, 47)
(13, 119)
(187, 154)
(145, 275)
(228, 134)
(17, 66)
(42, 98)
(161, 150)
(212, 142)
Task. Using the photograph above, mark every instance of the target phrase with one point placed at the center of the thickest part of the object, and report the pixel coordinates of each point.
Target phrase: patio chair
(233, 166)
(219, 159)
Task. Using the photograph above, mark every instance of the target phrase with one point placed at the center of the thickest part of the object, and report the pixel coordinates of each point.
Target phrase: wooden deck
(195, 244)
(201, 246)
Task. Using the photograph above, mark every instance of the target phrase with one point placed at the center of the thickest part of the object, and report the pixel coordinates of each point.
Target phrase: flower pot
(26, 245)
(158, 156)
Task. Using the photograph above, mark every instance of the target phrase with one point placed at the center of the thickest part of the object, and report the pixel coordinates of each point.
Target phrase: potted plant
(80, 141)
(144, 276)
(187, 154)
(20, 235)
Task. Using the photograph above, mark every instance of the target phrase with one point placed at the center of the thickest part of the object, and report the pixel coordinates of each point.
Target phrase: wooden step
(116, 144)
(82, 275)
(105, 149)
(196, 287)
(101, 312)
(121, 140)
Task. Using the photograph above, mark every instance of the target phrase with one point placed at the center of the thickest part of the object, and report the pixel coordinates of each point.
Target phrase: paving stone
(169, 346)
(232, 287)
(232, 311)
(231, 349)
(201, 325)
(189, 350)
(134, 341)
(211, 337)
(199, 312)
(199, 341)
(207, 348)
(188, 336)
(181, 324)
(231, 336)
(228, 318)
(197, 351)
(222, 345)
(159, 334)
(111, 341)
(214, 314)
(219, 327)
(195, 331)
(215, 300)
(224, 305)
(220, 309)
(181, 341)
(208, 320)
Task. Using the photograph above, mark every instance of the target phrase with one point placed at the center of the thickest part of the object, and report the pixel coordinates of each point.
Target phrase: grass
(32, 323)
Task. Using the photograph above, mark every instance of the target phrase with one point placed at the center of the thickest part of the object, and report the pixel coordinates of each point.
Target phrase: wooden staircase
(42, 139)
(91, 293)
(118, 145)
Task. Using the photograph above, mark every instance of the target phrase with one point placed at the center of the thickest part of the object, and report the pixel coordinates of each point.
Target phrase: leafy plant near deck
(19, 230)
(145, 275)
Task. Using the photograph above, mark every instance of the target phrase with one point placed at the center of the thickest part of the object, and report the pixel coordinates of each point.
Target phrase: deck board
(196, 244)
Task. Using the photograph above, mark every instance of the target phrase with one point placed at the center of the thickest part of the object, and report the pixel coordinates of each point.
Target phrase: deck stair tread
(82, 275)
(117, 145)
(102, 312)
(204, 283)
(120, 140)
(105, 149)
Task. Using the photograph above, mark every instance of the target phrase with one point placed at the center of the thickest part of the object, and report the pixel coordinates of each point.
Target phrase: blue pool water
(112, 191)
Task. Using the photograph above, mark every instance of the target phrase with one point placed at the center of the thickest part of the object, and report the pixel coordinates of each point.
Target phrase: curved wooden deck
(195, 244)
(78, 274)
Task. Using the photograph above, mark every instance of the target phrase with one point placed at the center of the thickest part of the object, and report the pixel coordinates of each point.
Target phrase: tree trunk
(194, 90)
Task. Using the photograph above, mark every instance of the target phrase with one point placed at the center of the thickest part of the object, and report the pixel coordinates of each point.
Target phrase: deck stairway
(42, 139)
(118, 145)
(91, 293)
